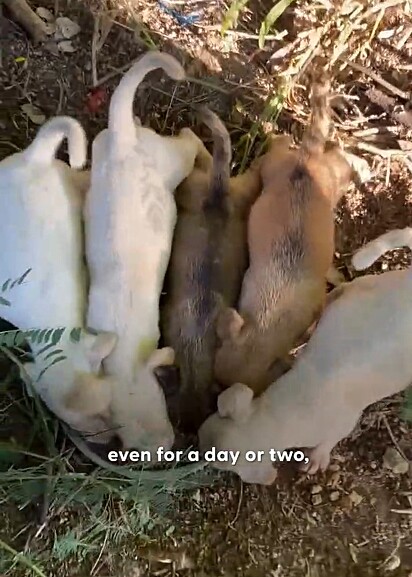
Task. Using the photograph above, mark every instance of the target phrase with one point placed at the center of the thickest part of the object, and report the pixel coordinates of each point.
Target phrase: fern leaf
(75, 335)
(53, 353)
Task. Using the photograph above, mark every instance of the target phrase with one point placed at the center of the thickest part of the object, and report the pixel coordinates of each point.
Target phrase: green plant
(274, 13)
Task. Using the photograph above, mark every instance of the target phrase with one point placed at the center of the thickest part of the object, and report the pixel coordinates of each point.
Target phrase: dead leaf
(33, 113)
(96, 98)
(66, 27)
(66, 46)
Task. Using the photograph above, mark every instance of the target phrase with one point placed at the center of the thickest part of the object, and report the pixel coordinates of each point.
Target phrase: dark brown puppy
(291, 244)
(208, 260)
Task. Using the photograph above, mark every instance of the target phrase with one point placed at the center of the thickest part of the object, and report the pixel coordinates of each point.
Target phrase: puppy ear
(98, 347)
(235, 402)
(229, 324)
(161, 357)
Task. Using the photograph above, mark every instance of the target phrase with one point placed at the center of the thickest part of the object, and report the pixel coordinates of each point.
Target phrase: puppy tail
(222, 157)
(369, 253)
(317, 133)
(50, 136)
(121, 118)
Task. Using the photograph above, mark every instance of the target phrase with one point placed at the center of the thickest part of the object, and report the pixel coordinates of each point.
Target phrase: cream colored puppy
(41, 232)
(130, 215)
(360, 352)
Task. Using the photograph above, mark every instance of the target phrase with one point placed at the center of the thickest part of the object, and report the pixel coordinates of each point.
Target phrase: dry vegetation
(64, 517)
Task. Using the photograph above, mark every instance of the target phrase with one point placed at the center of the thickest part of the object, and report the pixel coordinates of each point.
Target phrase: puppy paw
(319, 459)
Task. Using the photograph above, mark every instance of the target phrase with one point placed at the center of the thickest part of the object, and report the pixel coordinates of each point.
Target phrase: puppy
(209, 258)
(291, 244)
(359, 353)
(130, 214)
(41, 235)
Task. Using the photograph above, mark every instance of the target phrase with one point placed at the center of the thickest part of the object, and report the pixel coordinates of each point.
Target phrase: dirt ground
(356, 519)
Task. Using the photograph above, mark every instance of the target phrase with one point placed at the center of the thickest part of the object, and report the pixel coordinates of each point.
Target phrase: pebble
(316, 489)
(316, 499)
(394, 461)
(334, 496)
(355, 498)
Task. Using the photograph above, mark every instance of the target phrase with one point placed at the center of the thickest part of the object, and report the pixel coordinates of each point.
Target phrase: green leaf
(4, 302)
(7, 339)
(20, 338)
(231, 17)
(54, 362)
(5, 285)
(57, 335)
(274, 13)
(20, 280)
(41, 335)
(75, 335)
(53, 353)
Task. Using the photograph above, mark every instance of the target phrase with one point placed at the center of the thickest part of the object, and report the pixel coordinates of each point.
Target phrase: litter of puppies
(243, 260)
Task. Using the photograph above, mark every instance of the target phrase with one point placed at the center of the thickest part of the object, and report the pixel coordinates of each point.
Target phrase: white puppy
(360, 352)
(130, 215)
(41, 230)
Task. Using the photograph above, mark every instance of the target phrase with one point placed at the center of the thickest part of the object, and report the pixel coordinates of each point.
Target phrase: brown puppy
(291, 243)
(208, 261)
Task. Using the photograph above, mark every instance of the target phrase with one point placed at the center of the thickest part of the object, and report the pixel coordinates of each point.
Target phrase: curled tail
(369, 253)
(317, 133)
(50, 136)
(121, 118)
(222, 157)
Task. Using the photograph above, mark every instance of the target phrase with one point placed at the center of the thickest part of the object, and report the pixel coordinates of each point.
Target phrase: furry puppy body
(291, 243)
(209, 257)
(359, 353)
(130, 214)
(40, 204)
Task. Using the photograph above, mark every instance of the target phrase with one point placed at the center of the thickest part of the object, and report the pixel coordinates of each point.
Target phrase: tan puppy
(209, 258)
(291, 243)
(359, 353)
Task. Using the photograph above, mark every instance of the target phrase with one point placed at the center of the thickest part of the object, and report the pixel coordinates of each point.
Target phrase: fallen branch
(396, 111)
(24, 15)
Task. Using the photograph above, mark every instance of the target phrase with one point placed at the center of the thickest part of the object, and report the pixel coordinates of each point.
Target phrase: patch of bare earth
(356, 519)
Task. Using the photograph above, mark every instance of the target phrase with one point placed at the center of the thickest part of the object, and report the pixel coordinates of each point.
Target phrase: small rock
(334, 479)
(316, 499)
(392, 563)
(67, 27)
(334, 467)
(355, 498)
(316, 489)
(66, 46)
(334, 496)
(394, 461)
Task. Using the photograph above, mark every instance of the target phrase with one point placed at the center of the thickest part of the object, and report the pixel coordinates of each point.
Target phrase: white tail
(50, 136)
(368, 254)
(121, 118)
